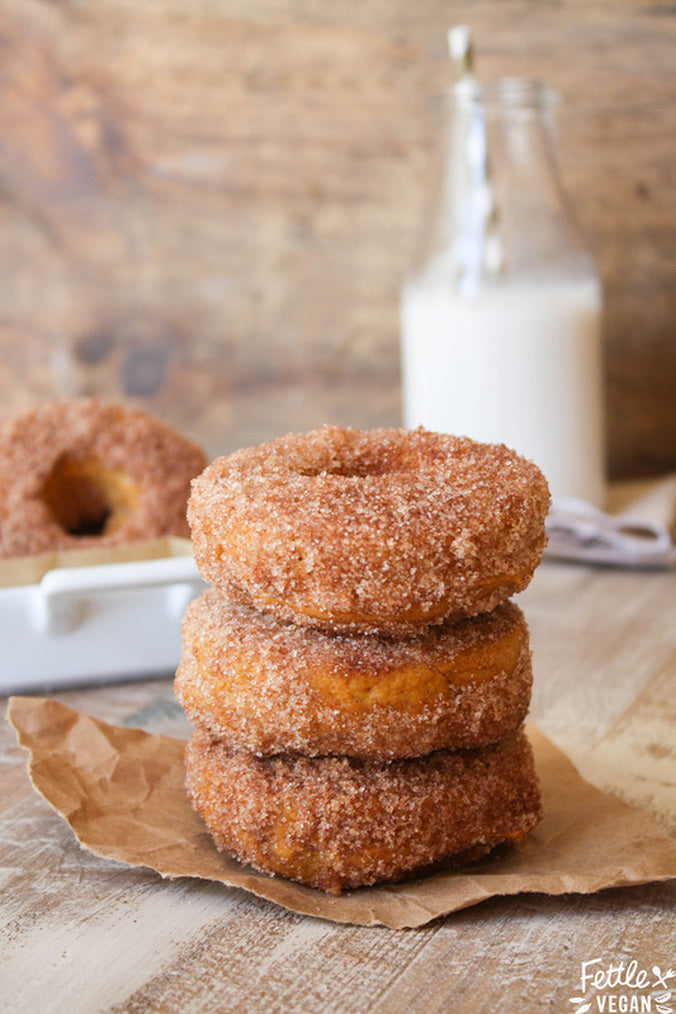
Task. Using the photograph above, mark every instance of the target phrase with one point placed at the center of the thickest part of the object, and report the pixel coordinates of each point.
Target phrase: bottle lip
(518, 93)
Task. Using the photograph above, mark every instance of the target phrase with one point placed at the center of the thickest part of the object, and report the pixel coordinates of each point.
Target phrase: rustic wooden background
(210, 206)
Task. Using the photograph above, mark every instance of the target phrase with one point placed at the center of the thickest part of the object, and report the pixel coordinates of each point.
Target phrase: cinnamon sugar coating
(384, 530)
(83, 472)
(336, 822)
(267, 686)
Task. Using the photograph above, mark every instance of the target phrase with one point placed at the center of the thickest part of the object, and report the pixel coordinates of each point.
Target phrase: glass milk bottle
(501, 319)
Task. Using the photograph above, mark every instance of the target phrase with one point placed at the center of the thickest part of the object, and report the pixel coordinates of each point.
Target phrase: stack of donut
(356, 675)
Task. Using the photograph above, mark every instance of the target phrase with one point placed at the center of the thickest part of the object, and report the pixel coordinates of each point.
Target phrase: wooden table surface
(84, 934)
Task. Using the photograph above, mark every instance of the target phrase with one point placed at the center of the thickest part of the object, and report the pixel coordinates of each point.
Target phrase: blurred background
(209, 207)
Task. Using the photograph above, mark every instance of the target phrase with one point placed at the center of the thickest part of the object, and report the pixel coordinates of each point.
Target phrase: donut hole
(87, 499)
(358, 469)
(362, 463)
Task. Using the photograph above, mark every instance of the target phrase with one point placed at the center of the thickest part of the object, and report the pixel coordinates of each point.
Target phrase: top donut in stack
(357, 676)
(382, 531)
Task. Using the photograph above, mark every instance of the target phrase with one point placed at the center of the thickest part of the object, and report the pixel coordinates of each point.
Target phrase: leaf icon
(583, 1008)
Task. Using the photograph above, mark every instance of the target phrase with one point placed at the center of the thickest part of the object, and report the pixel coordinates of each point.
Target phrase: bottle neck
(502, 208)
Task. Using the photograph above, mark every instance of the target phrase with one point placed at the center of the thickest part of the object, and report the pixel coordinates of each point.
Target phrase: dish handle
(60, 597)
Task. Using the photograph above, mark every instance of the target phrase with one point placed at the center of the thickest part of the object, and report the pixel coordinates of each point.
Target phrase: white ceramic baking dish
(81, 625)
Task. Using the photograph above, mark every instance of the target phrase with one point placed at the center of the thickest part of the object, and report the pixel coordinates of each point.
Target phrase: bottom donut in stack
(340, 822)
(347, 760)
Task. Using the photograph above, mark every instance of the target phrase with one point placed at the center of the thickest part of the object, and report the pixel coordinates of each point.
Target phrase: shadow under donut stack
(356, 674)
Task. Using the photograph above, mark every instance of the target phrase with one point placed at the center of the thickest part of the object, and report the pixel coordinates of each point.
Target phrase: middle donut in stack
(357, 678)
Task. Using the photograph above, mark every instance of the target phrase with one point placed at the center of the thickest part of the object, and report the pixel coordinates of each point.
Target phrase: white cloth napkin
(637, 530)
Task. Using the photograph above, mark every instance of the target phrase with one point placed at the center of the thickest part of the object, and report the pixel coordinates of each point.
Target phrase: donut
(267, 686)
(83, 472)
(338, 822)
(384, 530)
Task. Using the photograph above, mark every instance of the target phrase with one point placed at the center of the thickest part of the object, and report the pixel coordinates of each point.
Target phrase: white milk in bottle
(500, 321)
(518, 365)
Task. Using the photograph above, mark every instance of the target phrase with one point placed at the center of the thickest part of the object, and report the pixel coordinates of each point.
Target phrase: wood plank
(599, 636)
(245, 180)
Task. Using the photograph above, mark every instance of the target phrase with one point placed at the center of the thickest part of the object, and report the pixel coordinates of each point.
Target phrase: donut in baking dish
(267, 686)
(384, 530)
(337, 822)
(83, 472)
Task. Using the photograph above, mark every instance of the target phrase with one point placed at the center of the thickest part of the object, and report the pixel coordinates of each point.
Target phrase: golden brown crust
(83, 472)
(271, 687)
(335, 822)
(382, 530)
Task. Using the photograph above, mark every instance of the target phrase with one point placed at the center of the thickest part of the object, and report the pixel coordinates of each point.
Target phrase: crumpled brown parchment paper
(121, 790)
